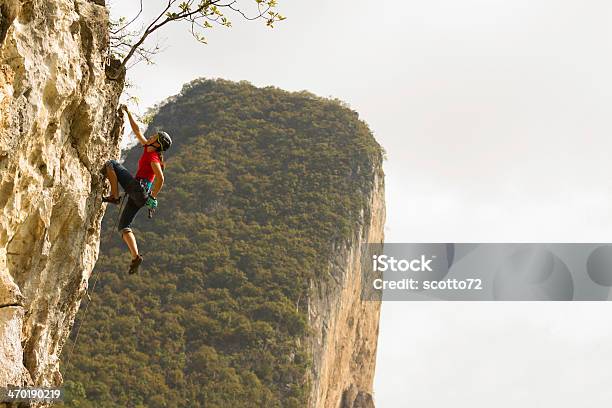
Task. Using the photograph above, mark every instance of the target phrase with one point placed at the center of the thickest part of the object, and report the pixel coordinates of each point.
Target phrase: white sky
(495, 115)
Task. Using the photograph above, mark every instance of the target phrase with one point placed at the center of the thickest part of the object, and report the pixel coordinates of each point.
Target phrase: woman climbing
(141, 189)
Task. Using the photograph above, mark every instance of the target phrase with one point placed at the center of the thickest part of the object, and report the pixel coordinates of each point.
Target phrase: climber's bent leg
(112, 178)
(117, 174)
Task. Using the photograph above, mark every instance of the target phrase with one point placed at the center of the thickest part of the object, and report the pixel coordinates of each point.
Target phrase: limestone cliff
(58, 125)
(345, 328)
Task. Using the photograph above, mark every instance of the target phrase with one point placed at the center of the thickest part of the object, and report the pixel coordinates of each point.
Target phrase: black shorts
(137, 191)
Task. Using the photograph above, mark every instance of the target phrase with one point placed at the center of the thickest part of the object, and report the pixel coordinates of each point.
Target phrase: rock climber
(141, 189)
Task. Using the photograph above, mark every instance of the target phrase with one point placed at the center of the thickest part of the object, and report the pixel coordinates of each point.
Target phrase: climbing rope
(93, 288)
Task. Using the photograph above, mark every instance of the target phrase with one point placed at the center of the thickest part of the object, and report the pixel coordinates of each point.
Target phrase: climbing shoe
(111, 199)
(135, 264)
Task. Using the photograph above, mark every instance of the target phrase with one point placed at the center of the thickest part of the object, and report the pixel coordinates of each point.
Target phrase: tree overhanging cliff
(249, 294)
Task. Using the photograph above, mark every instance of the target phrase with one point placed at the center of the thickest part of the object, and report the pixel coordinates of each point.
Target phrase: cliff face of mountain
(58, 125)
(344, 327)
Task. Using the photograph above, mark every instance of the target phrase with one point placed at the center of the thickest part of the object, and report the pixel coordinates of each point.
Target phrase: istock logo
(383, 263)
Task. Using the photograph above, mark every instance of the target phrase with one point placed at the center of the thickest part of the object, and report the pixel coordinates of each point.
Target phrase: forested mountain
(261, 186)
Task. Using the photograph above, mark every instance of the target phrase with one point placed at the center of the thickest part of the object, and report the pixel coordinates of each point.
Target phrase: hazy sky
(496, 117)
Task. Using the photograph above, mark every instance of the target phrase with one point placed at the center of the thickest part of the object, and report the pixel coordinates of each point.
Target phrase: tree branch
(130, 22)
(207, 9)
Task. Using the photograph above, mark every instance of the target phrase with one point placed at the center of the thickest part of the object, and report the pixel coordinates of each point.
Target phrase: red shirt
(145, 171)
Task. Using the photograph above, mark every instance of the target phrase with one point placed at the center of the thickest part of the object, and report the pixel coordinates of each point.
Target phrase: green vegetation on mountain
(260, 186)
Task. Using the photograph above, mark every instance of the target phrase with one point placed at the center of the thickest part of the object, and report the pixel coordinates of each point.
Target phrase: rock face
(58, 125)
(345, 328)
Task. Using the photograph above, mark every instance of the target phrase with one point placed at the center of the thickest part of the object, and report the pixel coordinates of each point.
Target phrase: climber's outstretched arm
(134, 126)
(159, 179)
